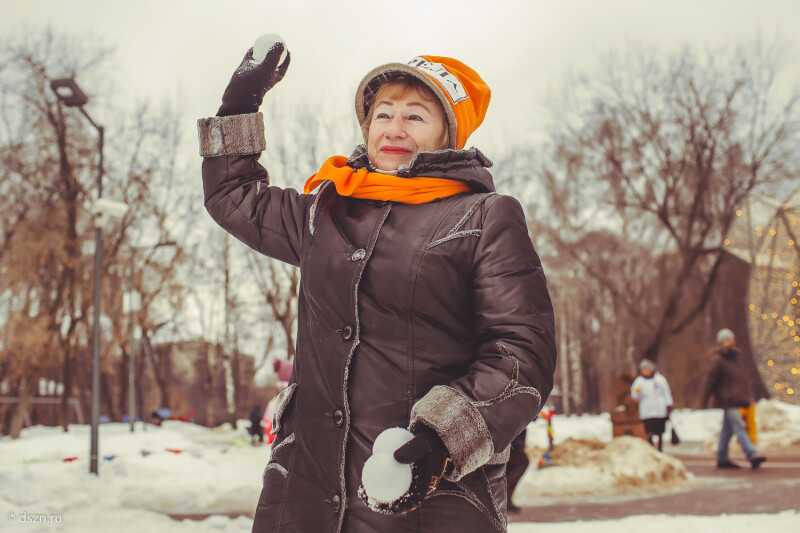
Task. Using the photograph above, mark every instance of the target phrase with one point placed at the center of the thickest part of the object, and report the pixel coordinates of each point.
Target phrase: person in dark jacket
(517, 464)
(423, 303)
(256, 430)
(728, 384)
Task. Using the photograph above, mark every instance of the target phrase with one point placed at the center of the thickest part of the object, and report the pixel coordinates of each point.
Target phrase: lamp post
(134, 303)
(71, 95)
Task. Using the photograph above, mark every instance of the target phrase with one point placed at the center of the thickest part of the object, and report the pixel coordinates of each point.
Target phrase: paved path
(773, 488)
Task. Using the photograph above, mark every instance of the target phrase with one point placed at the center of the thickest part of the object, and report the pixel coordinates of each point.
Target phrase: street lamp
(71, 95)
(132, 301)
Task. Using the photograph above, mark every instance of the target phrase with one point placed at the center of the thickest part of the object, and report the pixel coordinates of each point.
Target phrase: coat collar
(469, 166)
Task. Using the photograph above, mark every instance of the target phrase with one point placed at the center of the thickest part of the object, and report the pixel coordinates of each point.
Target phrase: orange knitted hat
(461, 91)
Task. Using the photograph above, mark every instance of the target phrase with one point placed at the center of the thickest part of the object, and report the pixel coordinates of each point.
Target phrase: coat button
(338, 418)
(336, 502)
(347, 332)
(358, 255)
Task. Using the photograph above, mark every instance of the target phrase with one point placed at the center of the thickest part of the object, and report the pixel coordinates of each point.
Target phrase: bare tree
(278, 283)
(48, 160)
(661, 150)
(41, 223)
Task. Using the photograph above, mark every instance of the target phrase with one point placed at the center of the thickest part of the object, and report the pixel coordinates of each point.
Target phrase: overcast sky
(186, 50)
(521, 48)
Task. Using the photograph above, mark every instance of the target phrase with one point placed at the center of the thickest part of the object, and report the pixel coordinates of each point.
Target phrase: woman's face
(401, 127)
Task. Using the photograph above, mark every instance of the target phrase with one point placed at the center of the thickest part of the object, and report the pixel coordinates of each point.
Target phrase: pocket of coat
(281, 403)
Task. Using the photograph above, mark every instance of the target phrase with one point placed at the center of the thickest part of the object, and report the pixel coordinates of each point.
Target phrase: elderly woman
(423, 303)
(651, 390)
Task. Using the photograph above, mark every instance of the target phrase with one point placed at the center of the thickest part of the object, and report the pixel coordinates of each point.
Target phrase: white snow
(181, 468)
(778, 426)
(735, 523)
(391, 439)
(384, 479)
(589, 467)
(263, 45)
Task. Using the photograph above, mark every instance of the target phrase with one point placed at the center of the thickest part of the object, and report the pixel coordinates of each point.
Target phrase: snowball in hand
(384, 479)
(263, 45)
(391, 439)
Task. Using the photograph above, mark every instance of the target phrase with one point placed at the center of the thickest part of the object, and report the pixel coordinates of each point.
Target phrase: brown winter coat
(435, 313)
(726, 381)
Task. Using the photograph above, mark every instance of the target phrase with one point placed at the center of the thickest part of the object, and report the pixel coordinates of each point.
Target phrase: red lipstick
(395, 150)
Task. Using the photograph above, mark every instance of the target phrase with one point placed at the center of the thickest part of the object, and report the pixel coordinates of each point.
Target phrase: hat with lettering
(461, 91)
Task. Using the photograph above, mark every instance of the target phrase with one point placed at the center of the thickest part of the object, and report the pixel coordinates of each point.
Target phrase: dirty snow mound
(778, 424)
(592, 467)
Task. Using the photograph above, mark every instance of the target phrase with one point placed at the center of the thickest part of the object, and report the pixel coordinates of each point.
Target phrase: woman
(652, 392)
(423, 303)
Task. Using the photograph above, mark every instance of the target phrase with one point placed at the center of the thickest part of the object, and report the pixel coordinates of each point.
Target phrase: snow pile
(778, 424)
(593, 467)
(178, 468)
(778, 427)
(582, 427)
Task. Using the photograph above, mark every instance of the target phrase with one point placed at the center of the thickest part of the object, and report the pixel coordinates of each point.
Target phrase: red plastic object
(267, 428)
(547, 414)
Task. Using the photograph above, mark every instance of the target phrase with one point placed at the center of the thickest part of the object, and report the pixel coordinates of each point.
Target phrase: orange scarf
(376, 186)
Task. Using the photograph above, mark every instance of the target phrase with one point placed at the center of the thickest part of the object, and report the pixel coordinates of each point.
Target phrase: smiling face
(403, 120)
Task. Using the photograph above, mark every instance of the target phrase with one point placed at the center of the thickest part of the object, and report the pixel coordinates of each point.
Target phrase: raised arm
(237, 193)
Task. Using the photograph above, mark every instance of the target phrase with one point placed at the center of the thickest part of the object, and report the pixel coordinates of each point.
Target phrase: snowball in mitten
(423, 453)
(253, 78)
(384, 479)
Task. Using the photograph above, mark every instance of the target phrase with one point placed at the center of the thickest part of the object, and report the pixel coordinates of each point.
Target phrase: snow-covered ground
(589, 462)
(181, 468)
(778, 427)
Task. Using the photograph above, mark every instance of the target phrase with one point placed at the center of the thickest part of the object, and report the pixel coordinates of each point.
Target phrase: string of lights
(764, 235)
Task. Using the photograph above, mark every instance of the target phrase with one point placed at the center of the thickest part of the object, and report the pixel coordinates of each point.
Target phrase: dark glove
(251, 81)
(427, 455)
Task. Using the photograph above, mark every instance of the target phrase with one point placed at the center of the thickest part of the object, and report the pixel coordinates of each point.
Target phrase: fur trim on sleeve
(232, 135)
(460, 426)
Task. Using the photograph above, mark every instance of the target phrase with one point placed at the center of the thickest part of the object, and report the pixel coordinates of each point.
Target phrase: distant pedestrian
(651, 390)
(727, 382)
(256, 430)
(517, 464)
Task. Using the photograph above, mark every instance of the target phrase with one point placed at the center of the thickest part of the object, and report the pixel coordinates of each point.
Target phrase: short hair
(401, 87)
